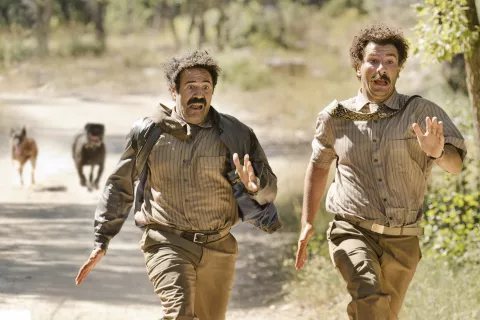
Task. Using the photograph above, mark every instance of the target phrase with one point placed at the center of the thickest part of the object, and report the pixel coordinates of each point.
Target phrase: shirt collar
(207, 122)
(393, 102)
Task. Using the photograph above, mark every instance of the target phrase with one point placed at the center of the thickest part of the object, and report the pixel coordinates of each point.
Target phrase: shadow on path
(45, 244)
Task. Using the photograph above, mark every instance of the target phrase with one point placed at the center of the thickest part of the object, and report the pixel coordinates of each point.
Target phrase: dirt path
(46, 230)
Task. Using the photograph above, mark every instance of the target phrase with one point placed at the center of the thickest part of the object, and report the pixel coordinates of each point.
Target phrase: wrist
(439, 157)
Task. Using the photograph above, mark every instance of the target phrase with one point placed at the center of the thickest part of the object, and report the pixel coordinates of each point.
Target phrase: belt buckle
(377, 228)
(199, 237)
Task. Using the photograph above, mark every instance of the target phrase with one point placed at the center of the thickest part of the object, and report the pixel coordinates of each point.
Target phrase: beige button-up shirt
(381, 171)
(186, 185)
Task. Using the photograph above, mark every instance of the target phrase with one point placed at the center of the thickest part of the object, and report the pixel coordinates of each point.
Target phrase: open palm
(246, 173)
(432, 140)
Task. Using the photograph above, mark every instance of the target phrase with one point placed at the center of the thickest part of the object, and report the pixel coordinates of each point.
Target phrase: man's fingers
(440, 129)
(82, 274)
(236, 161)
(246, 160)
(434, 126)
(301, 255)
(428, 123)
(251, 172)
(88, 266)
(252, 186)
(418, 131)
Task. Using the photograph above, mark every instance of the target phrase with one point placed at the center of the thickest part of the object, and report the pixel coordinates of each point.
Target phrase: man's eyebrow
(193, 81)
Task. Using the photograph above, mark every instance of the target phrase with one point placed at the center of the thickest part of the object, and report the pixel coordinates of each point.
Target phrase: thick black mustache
(382, 77)
(197, 100)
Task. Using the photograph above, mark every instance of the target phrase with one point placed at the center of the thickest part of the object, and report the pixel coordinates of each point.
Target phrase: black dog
(88, 149)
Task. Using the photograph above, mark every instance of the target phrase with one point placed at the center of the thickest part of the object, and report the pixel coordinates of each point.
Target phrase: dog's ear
(24, 131)
(87, 126)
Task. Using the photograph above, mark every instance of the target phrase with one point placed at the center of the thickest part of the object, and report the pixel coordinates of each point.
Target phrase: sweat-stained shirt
(381, 171)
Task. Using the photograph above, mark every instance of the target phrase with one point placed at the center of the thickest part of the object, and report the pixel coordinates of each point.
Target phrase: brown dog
(23, 149)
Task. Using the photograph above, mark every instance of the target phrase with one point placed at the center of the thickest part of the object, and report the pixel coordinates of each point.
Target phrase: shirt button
(375, 121)
(385, 199)
(380, 180)
(374, 140)
(185, 180)
(375, 160)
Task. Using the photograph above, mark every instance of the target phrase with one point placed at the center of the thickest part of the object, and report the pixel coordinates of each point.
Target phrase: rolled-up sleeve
(322, 145)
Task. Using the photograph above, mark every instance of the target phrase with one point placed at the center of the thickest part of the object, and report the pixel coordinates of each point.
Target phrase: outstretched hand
(246, 173)
(432, 140)
(95, 257)
(305, 235)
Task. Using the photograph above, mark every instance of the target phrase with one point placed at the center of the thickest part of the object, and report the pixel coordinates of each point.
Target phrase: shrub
(452, 221)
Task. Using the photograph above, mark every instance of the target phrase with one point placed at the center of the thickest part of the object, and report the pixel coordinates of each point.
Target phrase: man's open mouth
(196, 106)
(380, 81)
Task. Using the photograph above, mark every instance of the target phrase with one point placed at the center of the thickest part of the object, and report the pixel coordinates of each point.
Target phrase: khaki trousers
(377, 269)
(192, 280)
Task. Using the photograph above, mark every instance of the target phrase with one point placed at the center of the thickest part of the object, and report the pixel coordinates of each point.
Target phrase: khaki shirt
(186, 186)
(381, 171)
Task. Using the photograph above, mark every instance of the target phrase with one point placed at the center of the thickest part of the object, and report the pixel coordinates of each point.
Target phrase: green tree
(449, 27)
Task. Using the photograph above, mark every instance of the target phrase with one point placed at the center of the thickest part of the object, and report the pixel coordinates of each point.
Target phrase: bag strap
(143, 152)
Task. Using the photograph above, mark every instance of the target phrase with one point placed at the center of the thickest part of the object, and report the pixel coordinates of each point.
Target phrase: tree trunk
(472, 67)
(65, 10)
(221, 27)
(202, 37)
(42, 21)
(100, 9)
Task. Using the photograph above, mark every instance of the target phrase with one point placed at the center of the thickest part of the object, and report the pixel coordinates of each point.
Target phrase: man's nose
(381, 69)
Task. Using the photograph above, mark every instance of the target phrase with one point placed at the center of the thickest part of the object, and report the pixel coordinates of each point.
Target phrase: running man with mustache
(384, 144)
(184, 199)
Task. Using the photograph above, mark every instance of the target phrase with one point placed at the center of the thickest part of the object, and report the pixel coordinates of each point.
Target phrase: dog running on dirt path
(23, 149)
(88, 149)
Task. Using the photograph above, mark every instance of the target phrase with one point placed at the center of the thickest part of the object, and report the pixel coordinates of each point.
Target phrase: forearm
(314, 188)
(451, 160)
(116, 201)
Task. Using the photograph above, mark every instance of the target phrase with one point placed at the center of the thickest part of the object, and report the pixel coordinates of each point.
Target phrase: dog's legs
(83, 180)
(99, 174)
(90, 179)
(33, 162)
(20, 172)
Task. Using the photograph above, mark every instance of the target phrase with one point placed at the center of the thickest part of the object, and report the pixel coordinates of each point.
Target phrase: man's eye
(206, 87)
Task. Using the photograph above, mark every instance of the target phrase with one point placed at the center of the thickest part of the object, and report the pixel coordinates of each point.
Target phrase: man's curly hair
(379, 34)
(196, 59)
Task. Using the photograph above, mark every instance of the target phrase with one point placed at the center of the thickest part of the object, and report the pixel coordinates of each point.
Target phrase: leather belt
(408, 230)
(199, 237)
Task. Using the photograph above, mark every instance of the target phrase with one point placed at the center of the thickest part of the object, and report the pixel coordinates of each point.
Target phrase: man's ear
(359, 74)
(173, 93)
